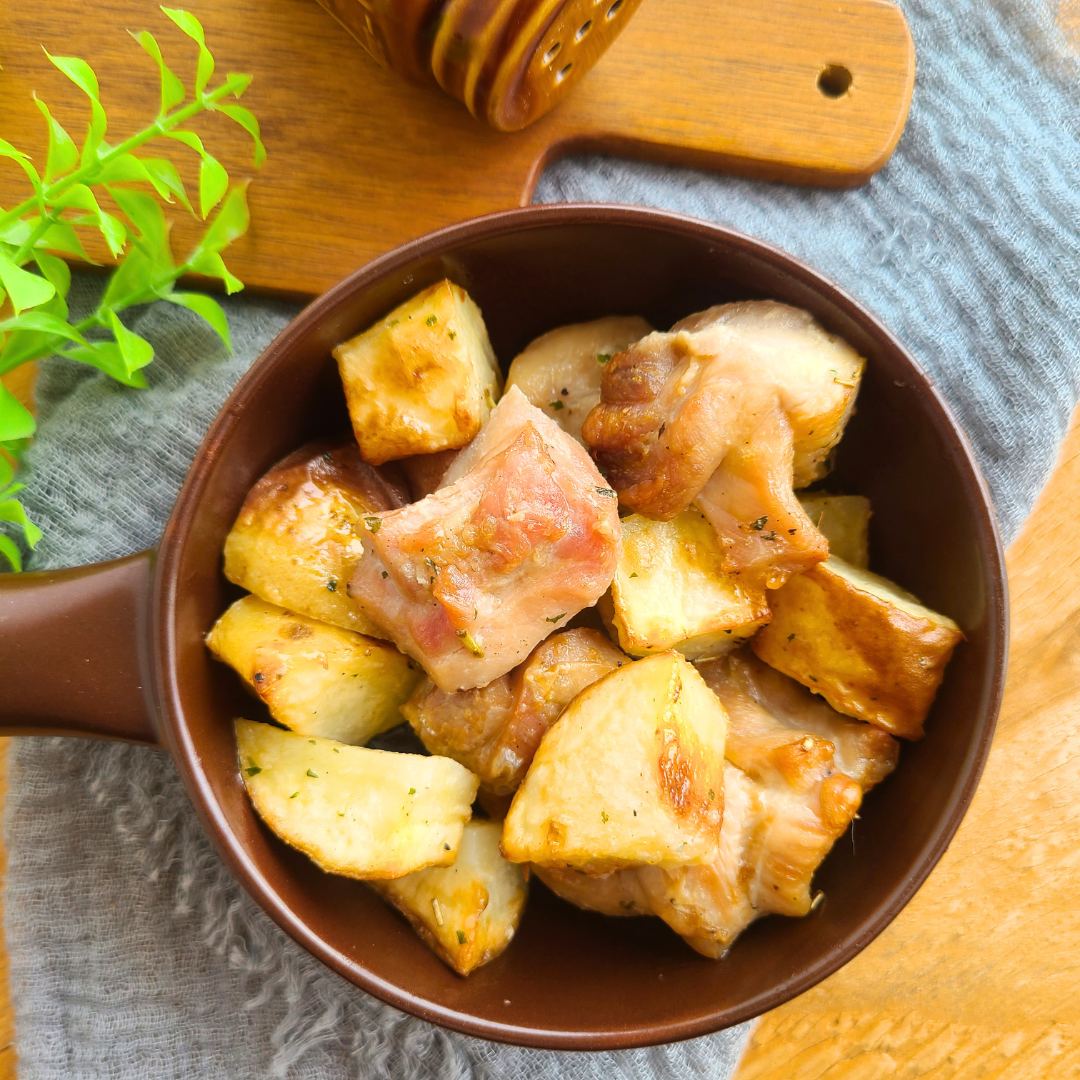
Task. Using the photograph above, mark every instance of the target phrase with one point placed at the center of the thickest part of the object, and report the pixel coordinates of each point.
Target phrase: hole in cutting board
(614, 9)
(834, 80)
(583, 30)
(564, 72)
(552, 53)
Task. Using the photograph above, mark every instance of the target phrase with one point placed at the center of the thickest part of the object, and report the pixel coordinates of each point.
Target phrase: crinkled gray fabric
(133, 953)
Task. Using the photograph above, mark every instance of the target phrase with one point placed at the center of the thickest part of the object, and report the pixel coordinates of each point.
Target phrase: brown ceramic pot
(117, 650)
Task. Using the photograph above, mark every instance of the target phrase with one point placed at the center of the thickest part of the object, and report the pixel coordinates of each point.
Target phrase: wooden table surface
(979, 976)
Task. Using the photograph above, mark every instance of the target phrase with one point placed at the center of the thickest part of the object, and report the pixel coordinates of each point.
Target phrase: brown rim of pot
(177, 737)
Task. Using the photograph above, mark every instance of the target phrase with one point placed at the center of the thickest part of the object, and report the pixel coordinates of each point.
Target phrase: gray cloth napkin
(133, 953)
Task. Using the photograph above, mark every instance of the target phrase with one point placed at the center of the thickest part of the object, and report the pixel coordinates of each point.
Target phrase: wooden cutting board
(361, 161)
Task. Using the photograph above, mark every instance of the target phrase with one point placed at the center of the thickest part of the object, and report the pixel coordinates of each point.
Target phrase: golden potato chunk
(469, 912)
(631, 773)
(869, 648)
(560, 371)
(423, 379)
(672, 591)
(315, 679)
(844, 521)
(357, 812)
(297, 537)
(494, 730)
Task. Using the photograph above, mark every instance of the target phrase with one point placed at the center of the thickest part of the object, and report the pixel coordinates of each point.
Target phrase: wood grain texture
(361, 161)
(980, 975)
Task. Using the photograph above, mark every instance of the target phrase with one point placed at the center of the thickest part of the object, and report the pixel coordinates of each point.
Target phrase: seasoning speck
(556, 618)
(253, 770)
(373, 524)
(313, 773)
(556, 405)
(461, 937)
(758, 525)
(332, 585)
(603, 357)
(431, 320)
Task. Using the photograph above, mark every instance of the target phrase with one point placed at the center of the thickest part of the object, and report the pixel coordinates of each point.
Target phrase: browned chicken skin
(733, 408)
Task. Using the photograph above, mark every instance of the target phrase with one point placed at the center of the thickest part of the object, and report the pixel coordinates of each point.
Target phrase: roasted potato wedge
(296, 539)
(868, 647)
(560, 371)
(423, 379)
(494, 730)
(844, 521)
(357, 812)
(466, 913)
(631, 773)
(316, 679)
(671, 591)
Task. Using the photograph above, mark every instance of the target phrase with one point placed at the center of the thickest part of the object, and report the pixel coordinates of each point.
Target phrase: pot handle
(74, 648)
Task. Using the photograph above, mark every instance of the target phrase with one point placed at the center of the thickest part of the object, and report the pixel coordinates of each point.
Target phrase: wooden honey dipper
(509, 61)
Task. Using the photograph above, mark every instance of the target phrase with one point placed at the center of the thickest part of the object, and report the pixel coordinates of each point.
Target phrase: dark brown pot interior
(572, 979)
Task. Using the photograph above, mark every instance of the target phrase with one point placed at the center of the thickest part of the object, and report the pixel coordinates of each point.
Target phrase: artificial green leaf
(62, 237)
(207, 308)
(235, 84)
(166, 181)
(172, 89)
(7, 471)
(27, 166)
(137, 280)
(18, 232)
(82, 75)
(193, 28)
(10, 550)
(23, 345)
(230, 222)
(55, 270)
(126, 168)
(12, 510)
(63, 154)
(246, 119)
(44, 323)
(77, 197)
(212, 265)
(144, 212)
(114, 232)
(15, 447)
(15, 419)
(188, 138)
(107, 357)
(213, 183)
(24, 290)
(136, 351)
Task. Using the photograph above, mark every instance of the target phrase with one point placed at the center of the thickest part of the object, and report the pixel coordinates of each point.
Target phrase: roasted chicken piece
(298, 535)
(560, 371)
(734, 407)
(794, 777)
(494, 730)
(523, 535)
(761, 701)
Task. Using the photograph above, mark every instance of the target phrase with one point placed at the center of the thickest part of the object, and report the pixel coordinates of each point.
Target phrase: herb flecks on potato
(844, 521)
(316, 679)
(421, 380)
(560, 371)
(631, 773)
(356, 812)
(494, 730)
(298, 535)
(868, 647)
(672, 590)
(466, 913)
